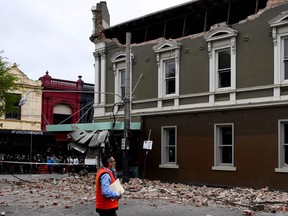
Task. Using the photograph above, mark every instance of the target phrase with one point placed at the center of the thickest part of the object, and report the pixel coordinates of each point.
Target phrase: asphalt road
(129, 208)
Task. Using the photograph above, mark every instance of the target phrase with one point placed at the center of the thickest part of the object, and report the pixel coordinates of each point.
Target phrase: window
(62, 114)
(169, 147)
(119, 65)
(14, 114)
(169, 66)
(224, 68)
(222, 60)
(168, 54)
(285, 57)
(282, 60)
(224, 147)
(122, 82)
(16, 110)
(280, 40)
(282, 146)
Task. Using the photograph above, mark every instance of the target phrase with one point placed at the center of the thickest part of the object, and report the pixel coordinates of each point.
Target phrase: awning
(92, 126)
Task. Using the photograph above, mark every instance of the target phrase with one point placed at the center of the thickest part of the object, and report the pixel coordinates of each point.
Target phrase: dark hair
(105, 159)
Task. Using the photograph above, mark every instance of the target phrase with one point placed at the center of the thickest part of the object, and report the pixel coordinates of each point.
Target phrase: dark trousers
(111, 212)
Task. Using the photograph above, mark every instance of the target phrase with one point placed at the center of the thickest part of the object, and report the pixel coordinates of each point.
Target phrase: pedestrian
(75, 165)
(106, 199)
(50, 164)
(70, 166)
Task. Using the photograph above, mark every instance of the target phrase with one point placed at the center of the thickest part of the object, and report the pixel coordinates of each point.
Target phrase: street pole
(31, 147)
(127, 110)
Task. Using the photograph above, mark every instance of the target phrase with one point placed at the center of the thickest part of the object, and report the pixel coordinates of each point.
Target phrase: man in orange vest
(106, 199)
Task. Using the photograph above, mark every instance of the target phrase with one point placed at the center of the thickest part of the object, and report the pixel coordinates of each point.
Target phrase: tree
(7, 86)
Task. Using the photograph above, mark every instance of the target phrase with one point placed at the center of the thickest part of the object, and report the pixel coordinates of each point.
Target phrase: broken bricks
(70, 191)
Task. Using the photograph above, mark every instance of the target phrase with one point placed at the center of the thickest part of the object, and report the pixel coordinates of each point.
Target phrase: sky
(53, 35)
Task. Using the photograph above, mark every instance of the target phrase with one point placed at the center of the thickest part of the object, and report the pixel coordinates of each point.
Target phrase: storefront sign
(26, 132)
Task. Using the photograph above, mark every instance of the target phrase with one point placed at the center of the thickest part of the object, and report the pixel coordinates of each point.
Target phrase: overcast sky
(53, 35)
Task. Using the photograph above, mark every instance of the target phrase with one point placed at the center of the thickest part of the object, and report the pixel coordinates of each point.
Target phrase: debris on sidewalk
(70, 191)
(244, 198)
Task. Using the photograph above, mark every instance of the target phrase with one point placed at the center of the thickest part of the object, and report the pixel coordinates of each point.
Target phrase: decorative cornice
(280, 20)
(220, 33)
(167, 45)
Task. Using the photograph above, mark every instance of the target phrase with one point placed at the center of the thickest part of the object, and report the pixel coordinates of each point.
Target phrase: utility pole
(127, 110)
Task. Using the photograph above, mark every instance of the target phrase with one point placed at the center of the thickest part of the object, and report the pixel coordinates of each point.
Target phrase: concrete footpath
(127, 207)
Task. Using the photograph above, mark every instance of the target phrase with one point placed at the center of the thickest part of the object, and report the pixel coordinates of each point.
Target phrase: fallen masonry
(69, 191)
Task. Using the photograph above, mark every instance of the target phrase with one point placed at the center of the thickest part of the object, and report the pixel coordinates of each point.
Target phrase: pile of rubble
(47, 193)
(248, 199)
(69, 191)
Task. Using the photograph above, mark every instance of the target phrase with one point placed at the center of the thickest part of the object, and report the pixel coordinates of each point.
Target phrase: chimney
(101, 20)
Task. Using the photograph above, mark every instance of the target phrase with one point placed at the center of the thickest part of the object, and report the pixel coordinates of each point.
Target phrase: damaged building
(209, 82)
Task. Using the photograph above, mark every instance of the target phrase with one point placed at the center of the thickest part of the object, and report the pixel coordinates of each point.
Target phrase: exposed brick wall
(272, 2)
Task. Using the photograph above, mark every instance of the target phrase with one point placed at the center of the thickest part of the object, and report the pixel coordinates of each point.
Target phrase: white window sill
(170, 96)
(224, 90)
(224, 168)
(169, 166)
(282, 170)
(284, 83)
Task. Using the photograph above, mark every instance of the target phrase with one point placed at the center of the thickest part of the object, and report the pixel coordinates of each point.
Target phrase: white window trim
(165, 50)
(278, 54)
(218, 39)
(164, 164)
(118, 81)
(217, 164)
(119, 63)
(279, 27)
(216, 73)
(281, 166)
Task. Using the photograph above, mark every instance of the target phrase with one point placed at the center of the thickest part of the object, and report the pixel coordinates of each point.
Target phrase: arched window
(222, 60)
(168, 54)
(119, 69)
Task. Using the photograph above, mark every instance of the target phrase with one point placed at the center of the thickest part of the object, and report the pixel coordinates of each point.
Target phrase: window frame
(166, 63)
(284, 69)
(119, 63)
(165, 163)
(218, 165)
(219, 39)
(121, 81)
(220, 71)
(17, 112)
(279, 26)
(167, 50)
(282, 166)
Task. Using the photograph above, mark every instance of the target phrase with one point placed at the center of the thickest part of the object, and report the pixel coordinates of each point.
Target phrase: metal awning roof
(92, 126)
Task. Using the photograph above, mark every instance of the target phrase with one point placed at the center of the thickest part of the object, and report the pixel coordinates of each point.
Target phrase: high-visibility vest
(103, 203)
